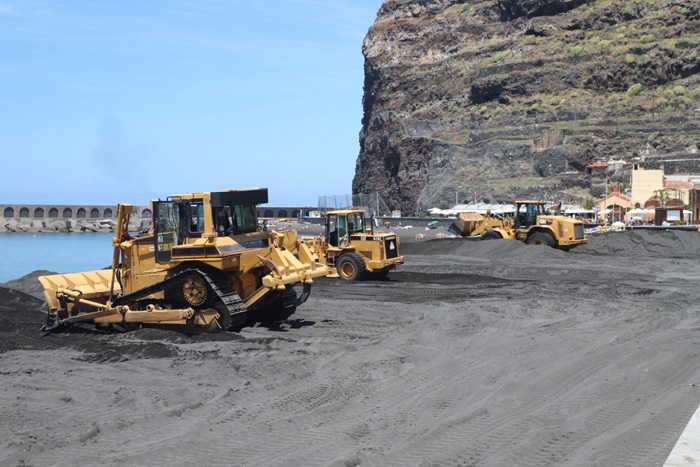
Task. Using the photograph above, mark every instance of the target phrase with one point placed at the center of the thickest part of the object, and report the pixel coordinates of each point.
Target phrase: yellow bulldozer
(352, 249)
(205, 266)
(530, 224)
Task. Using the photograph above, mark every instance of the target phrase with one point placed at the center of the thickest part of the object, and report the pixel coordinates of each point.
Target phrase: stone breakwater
(69, 218)
(83, 218)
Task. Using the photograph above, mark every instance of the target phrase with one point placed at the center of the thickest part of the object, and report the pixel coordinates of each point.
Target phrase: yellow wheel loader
(352, 250)
(205, 266)
(529, 224)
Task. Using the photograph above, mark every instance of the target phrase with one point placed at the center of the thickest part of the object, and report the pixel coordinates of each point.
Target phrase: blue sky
(109, 102)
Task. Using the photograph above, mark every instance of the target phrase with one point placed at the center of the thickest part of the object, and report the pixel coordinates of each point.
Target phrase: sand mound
(489, 249)
(13, 300)
(664, 243)
(473, 353)
(29, 284)
(651, 243)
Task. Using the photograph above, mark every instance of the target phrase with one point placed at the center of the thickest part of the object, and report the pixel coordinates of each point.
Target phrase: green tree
(634, 89)
(661, 196)
(622, 187)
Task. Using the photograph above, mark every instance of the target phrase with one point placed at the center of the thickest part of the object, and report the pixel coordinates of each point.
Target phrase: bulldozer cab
(526, 213)
(168, 231)
(198, 215)
(340, 225)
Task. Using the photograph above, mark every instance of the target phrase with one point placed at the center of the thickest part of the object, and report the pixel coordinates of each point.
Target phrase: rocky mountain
(502, 99)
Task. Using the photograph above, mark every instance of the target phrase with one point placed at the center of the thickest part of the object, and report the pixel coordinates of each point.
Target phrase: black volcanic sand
(472, 354)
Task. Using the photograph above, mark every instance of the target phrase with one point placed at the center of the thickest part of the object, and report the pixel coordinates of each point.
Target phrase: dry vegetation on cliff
(611, 75)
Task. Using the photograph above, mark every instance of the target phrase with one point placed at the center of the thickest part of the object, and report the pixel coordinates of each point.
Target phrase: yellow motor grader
(352, 249)
(205, 266)
(529, 224)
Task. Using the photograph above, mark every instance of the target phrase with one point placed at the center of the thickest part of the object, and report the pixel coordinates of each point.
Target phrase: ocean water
(22, 253)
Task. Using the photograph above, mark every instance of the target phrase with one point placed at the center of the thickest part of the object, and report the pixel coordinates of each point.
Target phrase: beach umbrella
(637, 211)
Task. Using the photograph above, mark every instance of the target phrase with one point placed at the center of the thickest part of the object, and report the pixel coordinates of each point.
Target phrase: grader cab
(352, 250)
(206, 266)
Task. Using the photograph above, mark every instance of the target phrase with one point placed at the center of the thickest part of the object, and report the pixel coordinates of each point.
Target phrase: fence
(372, 202)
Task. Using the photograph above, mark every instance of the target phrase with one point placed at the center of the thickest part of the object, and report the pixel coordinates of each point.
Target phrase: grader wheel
(195, 290)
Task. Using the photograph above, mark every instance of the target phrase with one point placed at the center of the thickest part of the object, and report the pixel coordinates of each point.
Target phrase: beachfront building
(678, 190)
(614, 207)
(694, 205)
(645, 185)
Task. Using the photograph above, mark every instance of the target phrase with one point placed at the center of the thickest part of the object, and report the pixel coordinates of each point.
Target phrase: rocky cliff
(502, 99)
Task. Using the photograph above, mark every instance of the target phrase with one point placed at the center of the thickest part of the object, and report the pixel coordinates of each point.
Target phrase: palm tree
(622, 187)
(661, 196)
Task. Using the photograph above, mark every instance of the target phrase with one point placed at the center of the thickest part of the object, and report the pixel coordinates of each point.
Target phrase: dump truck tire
(540, 238)
(351, 266)
(491, 235)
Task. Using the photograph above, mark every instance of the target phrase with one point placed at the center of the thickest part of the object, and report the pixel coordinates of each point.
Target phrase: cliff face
(513, 98)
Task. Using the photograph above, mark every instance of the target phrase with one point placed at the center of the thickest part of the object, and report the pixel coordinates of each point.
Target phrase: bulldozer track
(215, 279)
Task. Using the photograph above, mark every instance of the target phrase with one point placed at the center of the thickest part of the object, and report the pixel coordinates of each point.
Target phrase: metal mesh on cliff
(572, 121)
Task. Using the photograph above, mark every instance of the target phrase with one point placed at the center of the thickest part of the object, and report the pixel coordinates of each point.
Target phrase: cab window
(167, 230)
(196, 220)
(245, 219)
(332, 230)
(337, 231)
(356, 223)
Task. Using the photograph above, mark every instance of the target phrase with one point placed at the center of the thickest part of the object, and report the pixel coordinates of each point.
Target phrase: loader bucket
(466, 223)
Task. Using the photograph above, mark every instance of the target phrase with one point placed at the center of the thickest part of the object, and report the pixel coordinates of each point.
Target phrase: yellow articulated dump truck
(205, 266)
(529, 224)
(352, 249)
